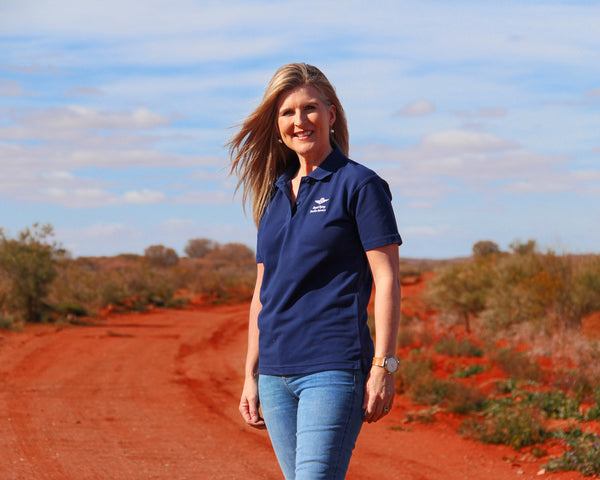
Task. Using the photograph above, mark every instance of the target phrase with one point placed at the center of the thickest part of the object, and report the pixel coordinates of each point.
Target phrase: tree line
(496, 291)
(40, 281)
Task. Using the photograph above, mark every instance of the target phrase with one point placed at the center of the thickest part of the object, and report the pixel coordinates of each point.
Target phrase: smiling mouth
(303, 134)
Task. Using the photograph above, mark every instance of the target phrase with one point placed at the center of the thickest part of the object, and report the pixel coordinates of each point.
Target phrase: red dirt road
(154, 396)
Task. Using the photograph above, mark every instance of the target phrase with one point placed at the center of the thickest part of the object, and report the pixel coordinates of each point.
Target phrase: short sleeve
(374, 215)
(259, 253)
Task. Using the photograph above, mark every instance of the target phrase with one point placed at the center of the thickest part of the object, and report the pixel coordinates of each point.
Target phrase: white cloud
(205, 198)
(484, 112)
(424, 231)
(464, 141)
(583, 182)
(594, 92)
(419, 204)
(175, 231)
(59, 175)
(492, 112)
(11, 88)
(155, 88)
(81, 117)
(420, 107)
(144, 197)
(74, 197)
(178, 224)
(102, 238)
(448, 162)
(83, 91)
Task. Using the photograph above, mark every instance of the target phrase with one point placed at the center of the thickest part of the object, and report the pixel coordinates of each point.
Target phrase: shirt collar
(333, 162)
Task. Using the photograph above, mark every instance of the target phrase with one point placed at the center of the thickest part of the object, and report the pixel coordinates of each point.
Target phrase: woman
(326, 232)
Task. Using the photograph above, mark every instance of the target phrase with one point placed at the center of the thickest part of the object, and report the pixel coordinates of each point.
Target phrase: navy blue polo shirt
(317, 281)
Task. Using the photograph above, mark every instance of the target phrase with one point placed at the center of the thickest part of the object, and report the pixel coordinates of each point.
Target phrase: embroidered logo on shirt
(320, 205)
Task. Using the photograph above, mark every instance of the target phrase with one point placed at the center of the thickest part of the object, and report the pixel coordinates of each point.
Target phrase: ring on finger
(386, 409)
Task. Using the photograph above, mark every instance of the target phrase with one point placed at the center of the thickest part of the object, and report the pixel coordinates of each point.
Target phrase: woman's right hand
(249, 404)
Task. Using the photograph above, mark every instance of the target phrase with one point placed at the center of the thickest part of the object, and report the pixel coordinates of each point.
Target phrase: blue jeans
(313, 421)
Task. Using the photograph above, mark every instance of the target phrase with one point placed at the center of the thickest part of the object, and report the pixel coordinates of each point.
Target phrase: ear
(332, 115)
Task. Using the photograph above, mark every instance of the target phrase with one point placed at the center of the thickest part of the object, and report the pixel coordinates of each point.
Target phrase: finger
(250, 412)
(253, 410)
(255, 421)
(368, 408)
(244, 410)
(260, 424)
(373, 412)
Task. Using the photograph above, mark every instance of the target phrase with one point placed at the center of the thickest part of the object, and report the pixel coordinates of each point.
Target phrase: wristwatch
(389, 363)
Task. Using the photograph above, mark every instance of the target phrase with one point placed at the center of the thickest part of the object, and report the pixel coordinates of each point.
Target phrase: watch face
(391, 364)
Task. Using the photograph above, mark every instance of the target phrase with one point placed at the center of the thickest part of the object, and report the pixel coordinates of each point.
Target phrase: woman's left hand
(379, 394)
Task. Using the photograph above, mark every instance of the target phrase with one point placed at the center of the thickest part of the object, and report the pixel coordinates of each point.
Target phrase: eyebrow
(314, 101)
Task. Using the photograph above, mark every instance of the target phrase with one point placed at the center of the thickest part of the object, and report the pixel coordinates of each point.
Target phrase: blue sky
(483, 116)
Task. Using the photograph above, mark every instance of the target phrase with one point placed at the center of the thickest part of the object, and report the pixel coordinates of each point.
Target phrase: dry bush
(459, 291)
(499, 291)
(518, 365)
(161, 256)
(449, 345)
(28, 265)
(515, 425)
(418, 380)
(199, 247)
(127, 281)
(225, 274)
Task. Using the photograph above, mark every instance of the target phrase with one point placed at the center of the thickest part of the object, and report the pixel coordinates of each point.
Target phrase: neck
(309, 163)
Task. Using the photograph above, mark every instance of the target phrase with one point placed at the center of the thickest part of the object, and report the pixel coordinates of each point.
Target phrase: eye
(287, 112)
(310, 107)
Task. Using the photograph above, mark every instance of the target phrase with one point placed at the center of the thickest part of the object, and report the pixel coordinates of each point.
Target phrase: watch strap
(379, 361)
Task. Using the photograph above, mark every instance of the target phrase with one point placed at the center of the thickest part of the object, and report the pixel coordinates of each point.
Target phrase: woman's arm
(249, 402)
(379, 393)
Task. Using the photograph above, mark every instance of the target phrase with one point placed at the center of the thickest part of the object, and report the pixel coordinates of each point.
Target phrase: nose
(299, 118)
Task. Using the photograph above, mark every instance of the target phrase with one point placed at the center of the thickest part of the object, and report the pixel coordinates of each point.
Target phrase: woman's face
(304, 120)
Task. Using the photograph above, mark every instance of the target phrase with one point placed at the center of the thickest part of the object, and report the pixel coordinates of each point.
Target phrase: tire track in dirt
(85, 403)
(155, 396)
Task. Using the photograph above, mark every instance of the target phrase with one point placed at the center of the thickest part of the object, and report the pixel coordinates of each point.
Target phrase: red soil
(154, 396)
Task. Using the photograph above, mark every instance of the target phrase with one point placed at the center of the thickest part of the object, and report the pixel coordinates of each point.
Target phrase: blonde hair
(257, 157)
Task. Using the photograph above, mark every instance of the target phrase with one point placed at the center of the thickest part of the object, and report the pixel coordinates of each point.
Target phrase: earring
(331, 130)
(279, 140)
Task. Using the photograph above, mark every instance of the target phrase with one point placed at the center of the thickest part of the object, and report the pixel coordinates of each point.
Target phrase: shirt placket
(303, 193)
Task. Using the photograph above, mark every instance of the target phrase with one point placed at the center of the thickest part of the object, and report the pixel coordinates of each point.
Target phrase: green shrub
(554, 404)
(592, 413)
(581, 453)
(411, 370)
(429, 390)
(70, 307)
(458, 348)
(584, 288)
(518, 364)
(469, 371)
(501, 290)
(454, 397)
(39, 282)
(459, 290)
(507, 424)
(463, 399)
(29, 263)
(7, 322)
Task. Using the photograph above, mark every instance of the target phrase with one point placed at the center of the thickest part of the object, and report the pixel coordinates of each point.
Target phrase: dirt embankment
(154, 396)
